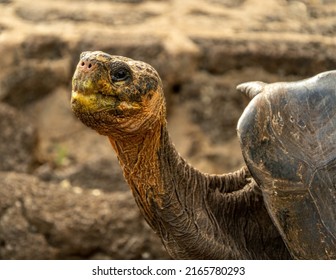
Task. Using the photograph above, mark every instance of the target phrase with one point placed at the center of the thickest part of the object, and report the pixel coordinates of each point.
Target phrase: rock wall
(62, 194)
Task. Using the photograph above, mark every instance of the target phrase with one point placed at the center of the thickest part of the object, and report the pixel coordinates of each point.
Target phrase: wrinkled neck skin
(195, 214)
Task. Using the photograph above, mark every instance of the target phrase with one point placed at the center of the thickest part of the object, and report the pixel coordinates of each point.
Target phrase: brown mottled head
(116, 95)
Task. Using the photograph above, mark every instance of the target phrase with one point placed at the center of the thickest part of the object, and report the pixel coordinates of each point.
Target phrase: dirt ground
(202, 50)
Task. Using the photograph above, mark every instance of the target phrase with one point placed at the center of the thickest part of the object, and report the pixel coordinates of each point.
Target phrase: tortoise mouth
(91, 93)
(92, 102)
(104, 113)
(98, 102)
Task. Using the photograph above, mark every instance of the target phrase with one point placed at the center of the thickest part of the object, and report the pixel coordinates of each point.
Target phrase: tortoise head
(116, 95)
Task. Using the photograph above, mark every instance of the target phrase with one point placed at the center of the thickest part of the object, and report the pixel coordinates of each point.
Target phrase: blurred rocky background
(62, 194)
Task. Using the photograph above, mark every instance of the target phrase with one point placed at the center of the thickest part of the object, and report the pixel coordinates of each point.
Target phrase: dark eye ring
(120, 75)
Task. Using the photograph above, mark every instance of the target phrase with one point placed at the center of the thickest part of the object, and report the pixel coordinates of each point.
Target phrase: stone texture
(18, 141)
(49, 221)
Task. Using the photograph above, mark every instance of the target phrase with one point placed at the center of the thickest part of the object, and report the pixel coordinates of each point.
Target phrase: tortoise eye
(120, 75)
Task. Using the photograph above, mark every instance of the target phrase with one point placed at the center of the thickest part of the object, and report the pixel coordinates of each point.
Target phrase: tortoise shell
(288, 139)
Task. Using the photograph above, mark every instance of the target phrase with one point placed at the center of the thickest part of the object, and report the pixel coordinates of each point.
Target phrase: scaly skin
(197, 216)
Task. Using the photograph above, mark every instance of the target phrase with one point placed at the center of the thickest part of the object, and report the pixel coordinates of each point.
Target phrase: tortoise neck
(170, 193)
(138, 158)
(135, 152)
(195, 214)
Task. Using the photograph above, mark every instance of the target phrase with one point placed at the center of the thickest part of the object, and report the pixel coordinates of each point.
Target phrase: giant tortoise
(280, 206)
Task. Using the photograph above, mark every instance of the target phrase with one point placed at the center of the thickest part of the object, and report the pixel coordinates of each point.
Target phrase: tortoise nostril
(86, 65)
